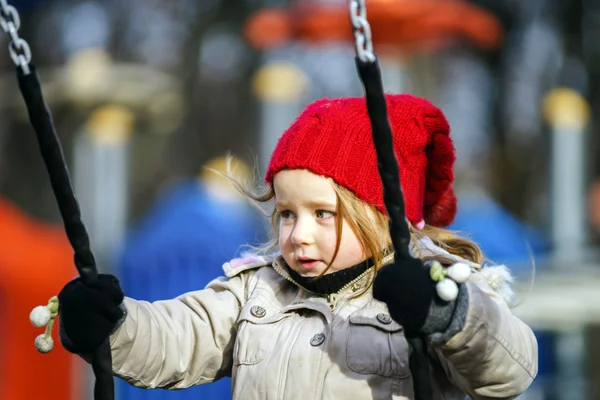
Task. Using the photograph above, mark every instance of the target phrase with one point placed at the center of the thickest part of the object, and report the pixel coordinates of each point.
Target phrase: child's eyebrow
(321, 204)
(311, 204)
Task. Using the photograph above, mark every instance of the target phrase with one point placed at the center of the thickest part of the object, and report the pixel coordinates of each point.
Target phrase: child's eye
(286, 214)
(324, 214)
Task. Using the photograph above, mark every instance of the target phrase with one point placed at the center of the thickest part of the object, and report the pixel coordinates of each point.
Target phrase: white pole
(100, 179)
(568, 116)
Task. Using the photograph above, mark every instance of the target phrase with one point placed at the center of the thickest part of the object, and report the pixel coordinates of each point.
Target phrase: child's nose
(302, 233)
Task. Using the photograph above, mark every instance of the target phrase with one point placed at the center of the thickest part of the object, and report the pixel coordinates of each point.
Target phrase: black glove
(89, 314)
(408, 291)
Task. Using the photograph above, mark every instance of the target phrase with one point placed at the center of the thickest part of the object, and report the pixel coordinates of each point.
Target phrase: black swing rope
(389, 171)
(370, 76)
(52, 153)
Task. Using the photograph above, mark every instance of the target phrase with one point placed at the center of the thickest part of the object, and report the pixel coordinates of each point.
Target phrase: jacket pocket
(258, 329)
(376, 345)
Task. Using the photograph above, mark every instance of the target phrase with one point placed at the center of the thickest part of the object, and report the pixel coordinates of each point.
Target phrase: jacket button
(318, 339)
(258, 311)
(384, 319)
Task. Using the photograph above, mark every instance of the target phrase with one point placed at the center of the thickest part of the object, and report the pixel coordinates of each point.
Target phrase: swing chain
(19, 49)
(362, 31)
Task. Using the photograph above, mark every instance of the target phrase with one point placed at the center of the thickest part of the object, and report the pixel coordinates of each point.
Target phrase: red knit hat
(333, 138)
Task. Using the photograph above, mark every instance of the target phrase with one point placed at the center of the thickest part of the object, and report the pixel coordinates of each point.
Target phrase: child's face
(307, 232)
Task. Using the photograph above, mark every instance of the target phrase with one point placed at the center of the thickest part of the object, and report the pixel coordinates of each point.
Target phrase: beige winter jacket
(278, 341)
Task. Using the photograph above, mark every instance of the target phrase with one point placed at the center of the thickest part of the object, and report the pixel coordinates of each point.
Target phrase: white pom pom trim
(447, 289)
(497, 277)
(459, 272)
(44, 343)
(45, 316)
(40, 316)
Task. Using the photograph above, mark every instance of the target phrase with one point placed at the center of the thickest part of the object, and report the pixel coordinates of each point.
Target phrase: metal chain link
(362, 31)
(19, 49)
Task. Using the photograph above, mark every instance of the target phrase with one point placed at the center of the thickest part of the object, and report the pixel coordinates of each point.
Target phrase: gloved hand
(89, 314)
(408, 291)
(412, 289)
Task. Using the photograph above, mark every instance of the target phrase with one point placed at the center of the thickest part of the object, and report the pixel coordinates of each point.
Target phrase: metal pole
(100, 180)
(101, 171)
(568, 116)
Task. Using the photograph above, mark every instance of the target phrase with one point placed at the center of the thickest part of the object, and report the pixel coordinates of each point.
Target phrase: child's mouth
(308, 264)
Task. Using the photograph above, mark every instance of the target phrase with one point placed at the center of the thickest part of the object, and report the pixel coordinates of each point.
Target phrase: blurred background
(146, 94)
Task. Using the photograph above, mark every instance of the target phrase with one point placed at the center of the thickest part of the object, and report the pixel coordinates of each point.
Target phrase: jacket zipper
(332, 298)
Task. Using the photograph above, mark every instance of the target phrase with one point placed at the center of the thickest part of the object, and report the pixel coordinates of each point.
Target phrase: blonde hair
(369, 225)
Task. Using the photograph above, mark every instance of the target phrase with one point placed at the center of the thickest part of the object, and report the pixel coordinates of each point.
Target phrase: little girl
(317, 313)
